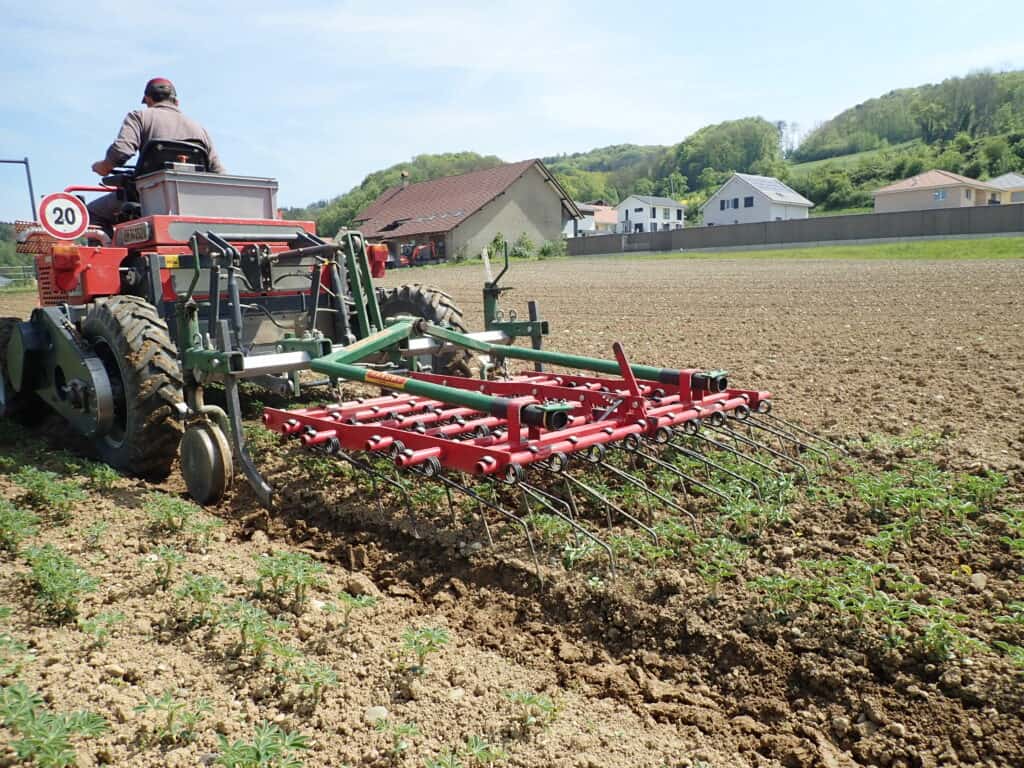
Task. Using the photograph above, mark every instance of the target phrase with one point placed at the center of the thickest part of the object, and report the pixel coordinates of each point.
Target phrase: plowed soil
(916, 368)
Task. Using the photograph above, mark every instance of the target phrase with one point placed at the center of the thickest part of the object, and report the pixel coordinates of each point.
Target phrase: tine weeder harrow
(614, 442)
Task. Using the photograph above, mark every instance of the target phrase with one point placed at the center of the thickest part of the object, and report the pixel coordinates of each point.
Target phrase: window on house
(967, 193)
(679, 214)
(735, 202)
(939, 194)
(665, 213)
(654, 213)
(638, 210)
(666, 227)
(627, 214)
(638, 227)
(748, 202)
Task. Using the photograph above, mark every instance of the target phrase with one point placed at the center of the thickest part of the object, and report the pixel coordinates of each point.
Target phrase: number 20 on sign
(64, 216)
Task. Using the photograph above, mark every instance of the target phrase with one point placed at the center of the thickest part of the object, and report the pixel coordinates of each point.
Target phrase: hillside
(972, 125)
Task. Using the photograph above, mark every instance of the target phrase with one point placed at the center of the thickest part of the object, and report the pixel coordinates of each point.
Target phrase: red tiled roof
(441, 204)
(931, 179)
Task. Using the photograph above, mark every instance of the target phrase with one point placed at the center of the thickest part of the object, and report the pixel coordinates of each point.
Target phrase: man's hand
(102, 167)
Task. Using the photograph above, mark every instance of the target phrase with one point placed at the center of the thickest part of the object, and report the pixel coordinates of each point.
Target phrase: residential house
(645, 213)
(462, 214)
(598, 219)
(935, 189)
(1011, 186)
(746, 198)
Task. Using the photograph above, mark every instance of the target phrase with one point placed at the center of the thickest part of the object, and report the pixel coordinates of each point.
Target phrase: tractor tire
(23, 408)
(141, 360)
(437, 307)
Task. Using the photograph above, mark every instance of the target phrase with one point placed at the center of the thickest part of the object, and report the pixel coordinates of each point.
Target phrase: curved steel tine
(739, 454)
(481, 501)
(802, 430)
(724, 430)
(708, 463)
(593, 492)
(637, 482)
(783, 435)
(548, 500)
(679, 473)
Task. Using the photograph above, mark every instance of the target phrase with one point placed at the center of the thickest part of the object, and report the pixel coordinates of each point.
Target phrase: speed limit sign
(64, 216)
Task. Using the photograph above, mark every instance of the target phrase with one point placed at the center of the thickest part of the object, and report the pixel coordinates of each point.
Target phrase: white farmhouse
(746, 198)
(643, 213)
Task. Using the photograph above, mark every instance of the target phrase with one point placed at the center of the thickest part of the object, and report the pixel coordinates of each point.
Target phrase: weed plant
(349, 605)
(482, 752)
(169, 514)
(42, 737)
(271, 747)
(314, 678)
(165, 559)
(447, 759)
(16, 525)
(718, 558)
(58, 581)
(95, 532)
(177, 718)
(101, 477)
(14, 655)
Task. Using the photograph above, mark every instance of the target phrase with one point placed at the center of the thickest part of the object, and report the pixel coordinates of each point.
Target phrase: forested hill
(982, 104)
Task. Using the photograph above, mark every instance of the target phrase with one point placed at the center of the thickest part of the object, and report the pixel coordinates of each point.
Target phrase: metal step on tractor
(202, 285)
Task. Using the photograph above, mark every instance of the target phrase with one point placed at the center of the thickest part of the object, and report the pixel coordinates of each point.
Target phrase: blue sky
(318, 94)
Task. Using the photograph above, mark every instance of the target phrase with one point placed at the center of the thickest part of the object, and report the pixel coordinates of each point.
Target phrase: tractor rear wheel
(140, 358)
(435, 306)
(17, 406)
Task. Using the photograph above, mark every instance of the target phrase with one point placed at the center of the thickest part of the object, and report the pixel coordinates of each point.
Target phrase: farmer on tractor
(162, 120)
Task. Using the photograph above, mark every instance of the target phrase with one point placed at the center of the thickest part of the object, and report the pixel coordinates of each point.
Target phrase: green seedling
(47, 492)
(44, 738)
(531, 709)
(58, 581)
(447, 759)
(95, 532)
(399, 734)
(982, 490)
(942, 638)
(313, 678)
(169, 514)
(350, 604)
(574, 554)
(423, 642)
(718, 558)
(552, 529)
(16, 525)
(1014, 652)
(201, 590)
(100, 627)
(271, 748)
(204, 527)
(14, 655)
(178, 720)
(639, 548)
(255, 628)
(293, 572)
(1015, 617)
(101, 477)
(165, 559)
(482, 752)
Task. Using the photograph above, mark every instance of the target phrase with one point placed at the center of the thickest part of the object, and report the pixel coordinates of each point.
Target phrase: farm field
(871, 613)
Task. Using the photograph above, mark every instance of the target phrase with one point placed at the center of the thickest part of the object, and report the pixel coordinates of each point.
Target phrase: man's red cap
(159, 86)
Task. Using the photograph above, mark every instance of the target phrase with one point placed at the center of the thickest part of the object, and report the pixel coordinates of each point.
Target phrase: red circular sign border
(76, 202)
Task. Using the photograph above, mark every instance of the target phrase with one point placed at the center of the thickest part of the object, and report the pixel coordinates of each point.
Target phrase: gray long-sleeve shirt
(163, 120)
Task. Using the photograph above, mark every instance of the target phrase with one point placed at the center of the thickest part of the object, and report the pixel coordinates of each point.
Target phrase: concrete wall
(529, 205)
(980, 220)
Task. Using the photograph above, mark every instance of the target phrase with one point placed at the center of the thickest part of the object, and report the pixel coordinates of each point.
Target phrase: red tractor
(199, 282)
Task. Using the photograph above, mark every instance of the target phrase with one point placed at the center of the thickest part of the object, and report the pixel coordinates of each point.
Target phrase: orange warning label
(388, 380)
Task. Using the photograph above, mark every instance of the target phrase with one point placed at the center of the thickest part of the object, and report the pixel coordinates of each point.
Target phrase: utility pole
(28, 176)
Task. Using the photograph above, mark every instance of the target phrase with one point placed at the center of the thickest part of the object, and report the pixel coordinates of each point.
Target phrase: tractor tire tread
(438, 307)
(152, 384)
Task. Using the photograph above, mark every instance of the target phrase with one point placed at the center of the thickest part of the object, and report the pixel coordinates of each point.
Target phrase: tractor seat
(158, 154)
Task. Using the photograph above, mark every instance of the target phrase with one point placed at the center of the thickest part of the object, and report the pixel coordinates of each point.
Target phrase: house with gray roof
(1011, 186)
(746, 198)
(649, 213)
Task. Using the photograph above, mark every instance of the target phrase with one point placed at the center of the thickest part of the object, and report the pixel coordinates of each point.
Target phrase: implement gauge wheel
(435, 306)
(140, 358)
